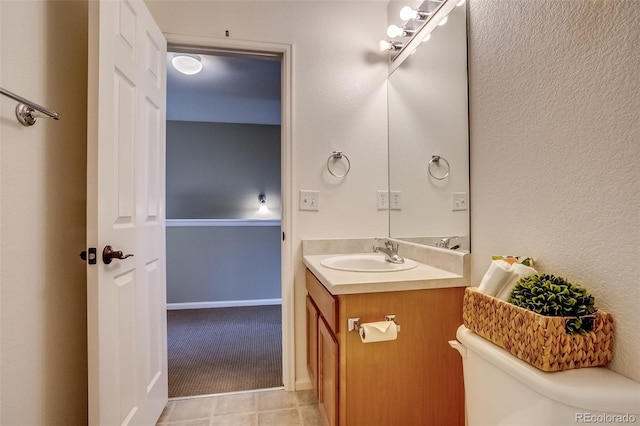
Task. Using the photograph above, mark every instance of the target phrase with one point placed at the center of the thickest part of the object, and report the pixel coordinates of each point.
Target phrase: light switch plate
(309, 200)
(459, 201)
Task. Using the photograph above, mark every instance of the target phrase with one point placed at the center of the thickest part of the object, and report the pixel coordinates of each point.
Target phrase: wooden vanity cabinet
(312, 343)
(328, 378)
(413, 380)
(322, 348)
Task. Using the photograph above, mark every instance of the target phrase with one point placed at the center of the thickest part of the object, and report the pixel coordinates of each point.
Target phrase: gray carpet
(224, 350)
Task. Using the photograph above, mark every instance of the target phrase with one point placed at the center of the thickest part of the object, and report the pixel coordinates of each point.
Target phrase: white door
(126, 210)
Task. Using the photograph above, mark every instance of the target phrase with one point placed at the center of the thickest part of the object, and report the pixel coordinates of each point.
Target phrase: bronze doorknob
(108, 254)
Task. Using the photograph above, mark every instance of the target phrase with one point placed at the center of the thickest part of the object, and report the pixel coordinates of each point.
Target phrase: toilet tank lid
(593, 388)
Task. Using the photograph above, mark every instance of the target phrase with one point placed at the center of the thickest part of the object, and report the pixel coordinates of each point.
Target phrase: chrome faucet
(448, 244)
(390, 250)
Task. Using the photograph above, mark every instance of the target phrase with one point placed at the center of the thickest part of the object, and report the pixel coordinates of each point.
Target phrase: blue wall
(217, 171)
(217, 264)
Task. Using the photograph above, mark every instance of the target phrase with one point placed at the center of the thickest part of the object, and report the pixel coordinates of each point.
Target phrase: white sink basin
(366, 262)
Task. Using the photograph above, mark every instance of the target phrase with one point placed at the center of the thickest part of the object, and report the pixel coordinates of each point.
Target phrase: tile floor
(256, 408)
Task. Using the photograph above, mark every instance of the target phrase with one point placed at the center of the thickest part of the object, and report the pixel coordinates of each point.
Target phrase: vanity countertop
(346, 282)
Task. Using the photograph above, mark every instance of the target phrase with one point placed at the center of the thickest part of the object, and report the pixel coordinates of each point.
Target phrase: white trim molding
(223, 304)
(174, 223)
(285, 51)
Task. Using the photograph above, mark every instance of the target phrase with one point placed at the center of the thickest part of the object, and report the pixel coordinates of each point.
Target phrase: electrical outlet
(383, 200)
(459, 201)
(309, 200)
(395, 200)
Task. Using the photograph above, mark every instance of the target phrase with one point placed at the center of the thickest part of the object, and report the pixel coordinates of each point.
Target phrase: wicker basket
(536, 339)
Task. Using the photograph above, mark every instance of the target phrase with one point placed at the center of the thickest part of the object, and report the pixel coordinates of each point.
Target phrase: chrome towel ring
(338, 155)
(436, 159)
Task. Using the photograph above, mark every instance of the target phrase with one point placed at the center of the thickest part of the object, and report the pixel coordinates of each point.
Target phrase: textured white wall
(43, 358)
(555, 147)
(339, 100)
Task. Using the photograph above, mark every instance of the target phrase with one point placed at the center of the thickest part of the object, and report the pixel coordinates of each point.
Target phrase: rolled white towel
(498, 274)
(521, 271)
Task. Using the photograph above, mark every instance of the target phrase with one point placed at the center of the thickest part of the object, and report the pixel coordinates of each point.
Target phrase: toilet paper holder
(354, 323)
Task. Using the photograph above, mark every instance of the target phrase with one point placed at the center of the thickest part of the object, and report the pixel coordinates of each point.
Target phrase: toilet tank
(500, 389)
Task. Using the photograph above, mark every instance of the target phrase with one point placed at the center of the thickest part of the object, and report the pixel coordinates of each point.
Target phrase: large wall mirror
(429, 139)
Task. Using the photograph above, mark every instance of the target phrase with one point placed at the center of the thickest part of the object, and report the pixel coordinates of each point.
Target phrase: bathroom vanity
(413, 380)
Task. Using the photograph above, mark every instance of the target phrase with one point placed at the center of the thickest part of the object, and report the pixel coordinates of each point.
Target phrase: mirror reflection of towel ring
(338, 155)
(436, 159)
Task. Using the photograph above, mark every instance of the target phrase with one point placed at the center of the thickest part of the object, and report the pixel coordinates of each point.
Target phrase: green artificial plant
(553, 296)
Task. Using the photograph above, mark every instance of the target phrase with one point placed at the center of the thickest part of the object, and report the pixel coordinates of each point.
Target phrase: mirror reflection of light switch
(395, 200)
(459, 201)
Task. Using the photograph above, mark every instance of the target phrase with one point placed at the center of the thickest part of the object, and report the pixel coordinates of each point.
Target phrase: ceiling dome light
(187, 64)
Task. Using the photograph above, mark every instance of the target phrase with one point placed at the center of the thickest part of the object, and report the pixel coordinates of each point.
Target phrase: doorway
(224, 212)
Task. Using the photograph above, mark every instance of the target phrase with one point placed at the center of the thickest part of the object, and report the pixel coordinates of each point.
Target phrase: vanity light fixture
(418, 25)
(389, 45)
(420, 14)
(263, 204)
(187, 64)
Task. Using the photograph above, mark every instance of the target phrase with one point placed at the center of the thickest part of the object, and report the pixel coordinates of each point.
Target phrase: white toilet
(503, 390)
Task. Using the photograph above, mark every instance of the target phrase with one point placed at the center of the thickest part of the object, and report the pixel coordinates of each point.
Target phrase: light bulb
(407, 13)
(389, 45)
(426, 38)
(460, 2)
(187, 64)
(384, 45)
(263, 204)
(395, 31)
(444, 21)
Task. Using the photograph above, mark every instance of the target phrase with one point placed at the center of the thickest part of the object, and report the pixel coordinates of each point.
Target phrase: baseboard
(223, 304)
(303, 384)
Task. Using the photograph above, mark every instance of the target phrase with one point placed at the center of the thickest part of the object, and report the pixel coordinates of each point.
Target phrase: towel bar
(26, 110)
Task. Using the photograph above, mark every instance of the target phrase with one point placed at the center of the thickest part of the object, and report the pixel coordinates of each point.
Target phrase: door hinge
(91, 258)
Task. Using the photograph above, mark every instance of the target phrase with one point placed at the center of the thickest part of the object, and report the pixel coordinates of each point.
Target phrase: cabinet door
(328, 362)
(312, 344)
